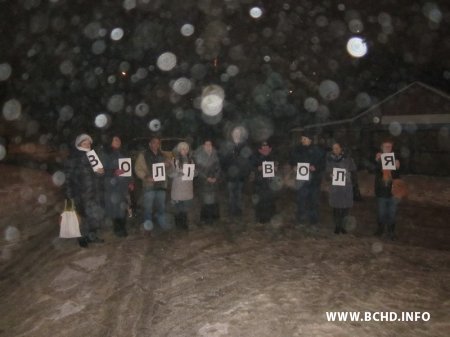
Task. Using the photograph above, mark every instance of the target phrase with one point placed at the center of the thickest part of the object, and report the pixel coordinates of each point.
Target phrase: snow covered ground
(234, 279)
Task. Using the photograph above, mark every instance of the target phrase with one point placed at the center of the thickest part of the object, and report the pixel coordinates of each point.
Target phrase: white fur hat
(81, 138)
(182, 145)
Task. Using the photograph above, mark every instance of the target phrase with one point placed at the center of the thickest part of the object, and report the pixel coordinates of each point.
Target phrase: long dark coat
(82, 185)
(341, 196)
(208, 166)
(116, 188)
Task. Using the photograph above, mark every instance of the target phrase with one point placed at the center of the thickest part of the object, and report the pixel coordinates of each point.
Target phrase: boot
(178, 220)
(337, 225)
(391, 232)
(83, 242)
(209, 214)
(184, 221)
(215, 211)
(380, 229)
(119, 227)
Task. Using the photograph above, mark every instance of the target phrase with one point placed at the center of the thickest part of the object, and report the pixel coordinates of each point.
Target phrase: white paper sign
(125, 166)
(388, 161)
(339, 176)
(159, 172)
(268, 169)
(302, 171)
(94, 160)
(188, 172)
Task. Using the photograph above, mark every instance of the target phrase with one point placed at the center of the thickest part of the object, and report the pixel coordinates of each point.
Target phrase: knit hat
(81, 138)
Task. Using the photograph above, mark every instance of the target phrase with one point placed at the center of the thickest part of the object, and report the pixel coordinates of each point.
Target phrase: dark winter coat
(82, 183)
(256, 160)
(208, 166)
(341, 196)
(383, 189)
(116, 187)
(312, 154)
(235, 162)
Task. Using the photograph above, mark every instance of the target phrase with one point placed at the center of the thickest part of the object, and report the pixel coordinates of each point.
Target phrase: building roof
(417, 102)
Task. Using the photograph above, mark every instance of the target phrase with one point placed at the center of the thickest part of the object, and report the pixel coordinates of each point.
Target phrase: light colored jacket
(182, 190)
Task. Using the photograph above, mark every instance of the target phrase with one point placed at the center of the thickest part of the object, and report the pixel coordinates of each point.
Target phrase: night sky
(71, 66)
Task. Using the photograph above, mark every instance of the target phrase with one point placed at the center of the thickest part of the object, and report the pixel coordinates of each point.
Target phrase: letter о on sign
(125, 166)
(159, 172)
(268, 169)
(94, 160)
(302, 171)
(339, 176)
(388, 161)
(188, 172)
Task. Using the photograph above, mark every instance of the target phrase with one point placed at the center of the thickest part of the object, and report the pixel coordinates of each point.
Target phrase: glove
(118, 172)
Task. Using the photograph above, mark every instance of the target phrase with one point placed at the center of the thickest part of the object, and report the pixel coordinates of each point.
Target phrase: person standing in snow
(208, 168)
(308, 192)
(82, 186)
(386, 201)
(116, 196)
(182, 191)
(154, 191)
(262, 190)
(341, 197)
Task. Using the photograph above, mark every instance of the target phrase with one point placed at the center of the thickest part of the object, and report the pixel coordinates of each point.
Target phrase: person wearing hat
(82, 186)
(263, 193)
(308, 192)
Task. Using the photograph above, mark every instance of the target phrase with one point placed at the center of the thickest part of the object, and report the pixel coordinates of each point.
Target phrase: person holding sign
(386, 170)
(82, 182)
(150, 168)
(264, 167)
(341, 168)
(308, 189)
(208, 167)
(117, 179)
(182, 193)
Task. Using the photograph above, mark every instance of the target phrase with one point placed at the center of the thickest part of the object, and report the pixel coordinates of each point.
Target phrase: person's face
(207, 146)
(155, 144)
(236, 135)
(386, 147)
(305, 141)
(86, 144)
(184, 151)
(337, 149)
(116, 143)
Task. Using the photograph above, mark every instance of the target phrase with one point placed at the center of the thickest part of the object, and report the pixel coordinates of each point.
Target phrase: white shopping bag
(69, 224)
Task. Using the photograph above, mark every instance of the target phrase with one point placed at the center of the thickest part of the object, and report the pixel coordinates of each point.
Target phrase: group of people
(233, 164)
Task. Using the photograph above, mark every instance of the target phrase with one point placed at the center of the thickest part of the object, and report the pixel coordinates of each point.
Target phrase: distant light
(187, 29)
(166, 61)
(256, 12)
(116, 34)
(141, 109)
(58, 178)
(5, 71)
(212, 100)
(182, 86)
(102, 121)
(267, 58)
(12, 110)
(154, 125)
(2, 152)
(356, 47)
(124, 73)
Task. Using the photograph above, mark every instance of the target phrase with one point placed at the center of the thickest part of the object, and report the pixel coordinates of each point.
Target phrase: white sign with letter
(268, 169)
(302, 171)
(188, 172)
(339, 176)
(125, 166)
(388, 161)
(94, 160)
(159, 172)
